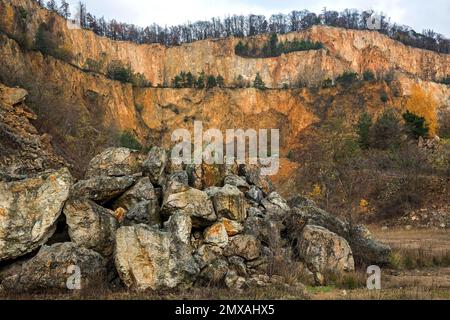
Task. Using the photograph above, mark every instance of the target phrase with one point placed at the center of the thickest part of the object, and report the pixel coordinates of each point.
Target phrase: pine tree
(259, 83)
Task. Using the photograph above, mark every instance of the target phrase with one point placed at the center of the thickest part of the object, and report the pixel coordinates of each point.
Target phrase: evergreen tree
(259, 83)
(363, 130)
(415, 125)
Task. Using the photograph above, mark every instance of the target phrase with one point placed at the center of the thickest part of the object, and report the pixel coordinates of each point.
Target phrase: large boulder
(189, 201)
(91, 226)
(28, 211)
(216, 235)
(56, 267)
(102, 189)
(147, 258)
(237, 181)
(115, 162)
(229, 202)
(244, 246)
(366, 249)
(155, 164)
(324, 251)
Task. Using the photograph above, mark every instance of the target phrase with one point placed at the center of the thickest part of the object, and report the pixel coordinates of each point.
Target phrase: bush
(118, 71)
(200, 83)
(92, 65)
(347, 78)
(259, 83)
(327, 83)
(128, 140)
(384, 97)
(363, 130)
(386, 131)
(139, 80)
(220, 81)
(23, 13)
(446, 81)
(211, 82)
(415, 125)
(368, 75)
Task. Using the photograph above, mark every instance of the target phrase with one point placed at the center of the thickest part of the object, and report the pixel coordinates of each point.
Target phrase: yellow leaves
(364, 204)
(424, 105)
(317, 192)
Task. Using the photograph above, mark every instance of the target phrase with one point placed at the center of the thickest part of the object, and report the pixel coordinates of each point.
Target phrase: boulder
(56, 267)
(29, 209)
(212, 175)
(255, 194)
(178, 176)
(12, 96)
(367, 249)
(244, 246)
(145, 212)
(216, 235)
(237, 181)
(147, 258)
(191, 202)
(207, 254)
(102, 189)
(180, 227)
(115, 162)
(231, 227)
(195, 174)
(91, 226)
(214, 273)
(155, 165)
(229, 202)
(324, 251)
(253, 175)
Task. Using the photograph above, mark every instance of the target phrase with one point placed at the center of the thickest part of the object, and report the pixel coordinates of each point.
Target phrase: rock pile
(157, 225)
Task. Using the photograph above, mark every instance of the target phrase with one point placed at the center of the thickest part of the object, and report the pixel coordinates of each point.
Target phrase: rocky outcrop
(29, 209)
(115, 162)
(24, 151)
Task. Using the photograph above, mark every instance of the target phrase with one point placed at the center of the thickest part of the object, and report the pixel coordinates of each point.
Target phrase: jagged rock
(195, 174)
(366, 249)
(229, 202)
(144, 212)
(253, 175)
(147, 258)
(189, 201)
(216, 235)
(207, 254)
(55, 267)
(324, 251)
(141, 204)
(265, 230)
(180, 177)
(155, 164)
(12, 96)
(115, 162)
(28, 211)
(238, 265)
(91, 226)
(275, 206)
(255, 194)
(180, 227)
(102, 189)
(244, 246)
(232, 227)
(214, 273)
(212, 175)
(237, 181)
(255, 212)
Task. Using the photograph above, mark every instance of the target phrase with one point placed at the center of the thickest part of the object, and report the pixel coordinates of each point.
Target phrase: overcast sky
(419, 14)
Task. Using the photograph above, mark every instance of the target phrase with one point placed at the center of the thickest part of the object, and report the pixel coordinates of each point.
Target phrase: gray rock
(102, 189)
(253, 175)
(255, 194)
(180, 177)
(155, 165)
(91, 226)
(54, 267)
(237, 181)
(244, 246)
(216, 235)
(147, 258)
(214, 273)
(324, 251)
(229, 202)
(143, 213)
(28, 211)
(207, 254)
(191, 202)
(115, 162)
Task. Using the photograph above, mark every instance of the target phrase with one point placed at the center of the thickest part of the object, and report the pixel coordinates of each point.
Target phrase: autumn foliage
(424, 105)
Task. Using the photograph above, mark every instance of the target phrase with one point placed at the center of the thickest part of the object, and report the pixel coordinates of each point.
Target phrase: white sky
(425, 14)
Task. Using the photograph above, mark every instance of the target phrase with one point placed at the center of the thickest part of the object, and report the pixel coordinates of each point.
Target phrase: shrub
(259, 83)
(47, 43)
(363, 130)
(23, 13)
(118, 71)
(327, 83)
(220, 81)
(211, 82)
(128, 140)
(384, 97)
(415, 125)
(200, 83)
(92, 65)
(368, 75)
(445, 80)
(139, 80)
(347, 78)
(386, 131)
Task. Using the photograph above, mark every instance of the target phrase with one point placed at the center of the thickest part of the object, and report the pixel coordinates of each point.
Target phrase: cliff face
(66, 97)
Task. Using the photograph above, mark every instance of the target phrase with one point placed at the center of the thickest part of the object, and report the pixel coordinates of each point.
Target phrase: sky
(420, 15)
